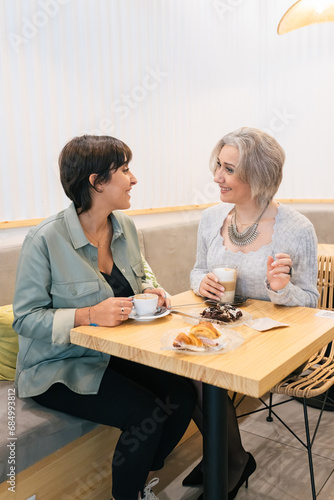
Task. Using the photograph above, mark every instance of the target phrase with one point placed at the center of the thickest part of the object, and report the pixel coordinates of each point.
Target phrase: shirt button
(94, 258)
(136, 291)
(123, 270)
(74, 292)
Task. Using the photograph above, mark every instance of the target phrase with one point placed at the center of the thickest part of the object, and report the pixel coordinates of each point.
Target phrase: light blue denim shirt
(58, 273)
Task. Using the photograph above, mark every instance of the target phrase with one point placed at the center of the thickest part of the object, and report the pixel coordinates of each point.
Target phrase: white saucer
(148, 317)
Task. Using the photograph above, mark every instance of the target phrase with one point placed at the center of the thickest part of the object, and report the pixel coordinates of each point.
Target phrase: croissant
(182, 339)
(205, 329)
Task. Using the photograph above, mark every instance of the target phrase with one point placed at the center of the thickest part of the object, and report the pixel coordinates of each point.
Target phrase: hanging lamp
(304, 13)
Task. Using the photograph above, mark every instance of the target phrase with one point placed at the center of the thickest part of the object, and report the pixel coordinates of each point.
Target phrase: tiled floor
(282, 466)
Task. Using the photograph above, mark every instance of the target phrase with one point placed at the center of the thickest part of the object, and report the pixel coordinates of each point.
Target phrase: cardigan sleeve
(302, 288)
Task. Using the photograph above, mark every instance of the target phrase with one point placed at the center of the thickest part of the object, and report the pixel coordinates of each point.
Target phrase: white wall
(169, 77)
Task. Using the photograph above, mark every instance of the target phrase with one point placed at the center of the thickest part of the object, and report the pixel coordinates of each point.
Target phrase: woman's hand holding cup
(163, 297)
(220, 284)
(211, 288)
(111, 312)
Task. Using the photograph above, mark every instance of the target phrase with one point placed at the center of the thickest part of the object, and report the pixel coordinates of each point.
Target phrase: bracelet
(90, 322)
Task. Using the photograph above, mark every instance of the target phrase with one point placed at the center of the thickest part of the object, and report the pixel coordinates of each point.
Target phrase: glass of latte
(227, 277)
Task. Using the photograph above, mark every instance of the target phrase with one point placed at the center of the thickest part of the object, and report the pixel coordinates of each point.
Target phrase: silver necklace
(98, 242)
(246, 237)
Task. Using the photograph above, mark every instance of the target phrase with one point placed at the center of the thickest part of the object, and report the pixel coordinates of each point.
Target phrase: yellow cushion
(8, 344)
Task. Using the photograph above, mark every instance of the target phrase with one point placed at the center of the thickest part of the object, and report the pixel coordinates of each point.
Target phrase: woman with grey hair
(273, 246)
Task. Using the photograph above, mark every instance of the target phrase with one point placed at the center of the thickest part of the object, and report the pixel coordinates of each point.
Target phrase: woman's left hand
(279, 271)
(163, 299)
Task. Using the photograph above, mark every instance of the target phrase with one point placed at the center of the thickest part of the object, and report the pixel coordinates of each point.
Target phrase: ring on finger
(121, 317)
(290, 271)
(122, 309)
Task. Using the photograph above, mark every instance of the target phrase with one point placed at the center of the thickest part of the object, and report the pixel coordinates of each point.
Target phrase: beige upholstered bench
(64, 458)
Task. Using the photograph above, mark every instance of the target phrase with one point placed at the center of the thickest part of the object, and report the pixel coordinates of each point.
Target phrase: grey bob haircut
(261, 161)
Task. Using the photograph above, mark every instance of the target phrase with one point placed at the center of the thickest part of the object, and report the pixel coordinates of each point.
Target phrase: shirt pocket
(138, 270)
(75, 294)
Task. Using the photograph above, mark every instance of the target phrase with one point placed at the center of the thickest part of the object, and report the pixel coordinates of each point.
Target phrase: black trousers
(152, 408)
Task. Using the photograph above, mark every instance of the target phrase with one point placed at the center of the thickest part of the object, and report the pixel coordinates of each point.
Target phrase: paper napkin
(262, 324)
(325, 314)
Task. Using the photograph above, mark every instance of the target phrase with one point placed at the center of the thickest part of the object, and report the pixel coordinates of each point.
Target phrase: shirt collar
(117, 226)
(77, 235)
(74, 227)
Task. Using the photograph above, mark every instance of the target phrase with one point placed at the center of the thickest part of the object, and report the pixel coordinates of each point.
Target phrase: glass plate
(196, 313)
(238, 299)
(227, 341)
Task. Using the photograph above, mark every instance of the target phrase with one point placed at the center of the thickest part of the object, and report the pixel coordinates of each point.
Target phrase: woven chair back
(326, 282)
(318, 373)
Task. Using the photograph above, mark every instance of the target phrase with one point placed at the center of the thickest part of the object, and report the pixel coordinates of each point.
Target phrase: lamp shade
(306, 12)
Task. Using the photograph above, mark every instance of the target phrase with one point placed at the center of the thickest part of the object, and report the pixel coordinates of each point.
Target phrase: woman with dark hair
(273, 246)
(81, 267)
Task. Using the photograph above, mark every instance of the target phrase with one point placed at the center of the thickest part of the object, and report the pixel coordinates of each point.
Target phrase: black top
(120, 285)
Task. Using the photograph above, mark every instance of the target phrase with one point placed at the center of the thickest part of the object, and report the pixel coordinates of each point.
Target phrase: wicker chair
(316, 376)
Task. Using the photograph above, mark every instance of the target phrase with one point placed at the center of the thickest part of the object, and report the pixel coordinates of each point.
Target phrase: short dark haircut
(86, 155)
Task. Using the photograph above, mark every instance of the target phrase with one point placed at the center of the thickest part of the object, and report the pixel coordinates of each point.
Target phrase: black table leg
(215, 443)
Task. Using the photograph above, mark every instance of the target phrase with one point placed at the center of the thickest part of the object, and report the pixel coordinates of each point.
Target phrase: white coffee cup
(145, 303)
(227, 277)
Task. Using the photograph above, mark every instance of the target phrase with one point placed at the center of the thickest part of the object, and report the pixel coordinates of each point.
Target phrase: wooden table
(253, 368)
